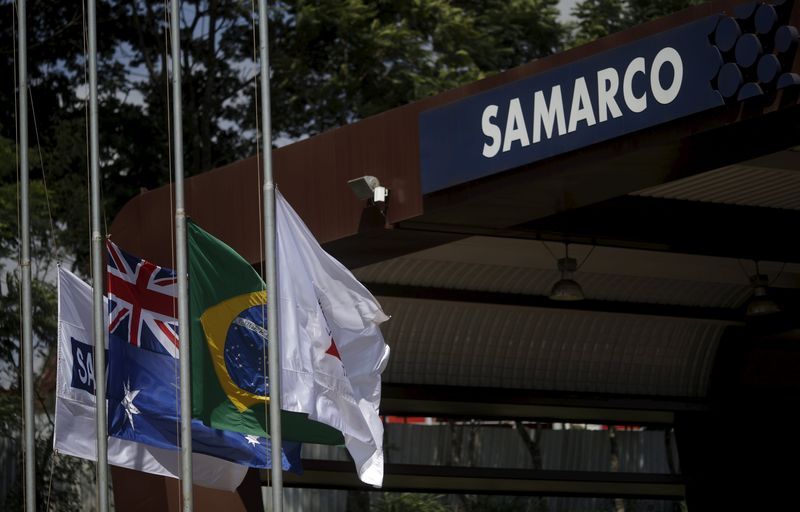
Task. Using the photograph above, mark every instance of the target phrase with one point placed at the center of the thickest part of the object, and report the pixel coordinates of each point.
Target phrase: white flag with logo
(75, 431)
(332, 349)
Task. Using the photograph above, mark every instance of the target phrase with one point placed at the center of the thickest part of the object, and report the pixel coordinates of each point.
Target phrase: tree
(641, 11)
(333, 62)
(56, 110)
(54, 55)
(599, 18)
(408, 502)
(42, 257)
(43, 298)
(337, 62)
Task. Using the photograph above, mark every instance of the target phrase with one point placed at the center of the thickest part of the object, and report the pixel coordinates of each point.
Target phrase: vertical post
(272, 289)
(97, 270)
(98, 316)
(26, 343)
(181, 262)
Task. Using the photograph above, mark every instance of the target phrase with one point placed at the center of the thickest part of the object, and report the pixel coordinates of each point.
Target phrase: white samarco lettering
(548, 117)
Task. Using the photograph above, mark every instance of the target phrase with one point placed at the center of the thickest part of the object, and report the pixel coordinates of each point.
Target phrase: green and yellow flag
(227, 307)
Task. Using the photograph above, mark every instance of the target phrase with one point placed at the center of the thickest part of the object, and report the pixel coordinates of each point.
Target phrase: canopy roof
(667, 222)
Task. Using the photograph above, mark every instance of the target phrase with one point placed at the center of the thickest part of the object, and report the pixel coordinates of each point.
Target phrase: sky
(565, 6)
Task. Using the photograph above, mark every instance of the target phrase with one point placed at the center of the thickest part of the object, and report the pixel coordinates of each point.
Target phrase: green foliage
(333, 62)
(408, 502)
(646, 10)
(420, 502)
(43, 298)
(8, 208)
(43, 252)
(337, 62)
(488, 503)
(61, 481)
(599, 18)
(64, 494)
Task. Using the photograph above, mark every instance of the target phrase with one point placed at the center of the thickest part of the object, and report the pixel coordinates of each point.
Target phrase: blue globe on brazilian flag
(228, 311)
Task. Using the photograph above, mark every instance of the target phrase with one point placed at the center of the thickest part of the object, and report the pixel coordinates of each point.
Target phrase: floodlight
(369, 187)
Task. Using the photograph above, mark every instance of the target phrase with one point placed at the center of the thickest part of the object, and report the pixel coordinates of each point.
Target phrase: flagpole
(97, 269)
(181, 262)
(273, 352)
(26, 347)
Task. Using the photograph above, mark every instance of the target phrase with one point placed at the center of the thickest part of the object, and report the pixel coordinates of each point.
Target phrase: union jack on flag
(142, 302)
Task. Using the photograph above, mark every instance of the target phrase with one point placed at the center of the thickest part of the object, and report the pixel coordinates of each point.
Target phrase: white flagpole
(26, 345)
(273, 352)
(181, 262)
(97, 269)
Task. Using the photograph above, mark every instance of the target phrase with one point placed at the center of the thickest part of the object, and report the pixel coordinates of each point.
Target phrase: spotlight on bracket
(369, 187)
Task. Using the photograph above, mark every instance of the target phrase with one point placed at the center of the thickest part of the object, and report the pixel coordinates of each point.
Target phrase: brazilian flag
(228, 310)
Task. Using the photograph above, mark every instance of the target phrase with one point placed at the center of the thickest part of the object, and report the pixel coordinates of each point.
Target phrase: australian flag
(143, 406)
(143, 373)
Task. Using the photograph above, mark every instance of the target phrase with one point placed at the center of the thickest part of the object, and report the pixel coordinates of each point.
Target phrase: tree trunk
(207, 119)
(538, 503)
(619, 503)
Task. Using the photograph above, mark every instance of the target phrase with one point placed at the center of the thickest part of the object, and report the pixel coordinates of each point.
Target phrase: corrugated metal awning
(744, 185)
(486, 345)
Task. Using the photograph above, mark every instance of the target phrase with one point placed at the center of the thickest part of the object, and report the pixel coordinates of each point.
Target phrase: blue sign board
(663, 77)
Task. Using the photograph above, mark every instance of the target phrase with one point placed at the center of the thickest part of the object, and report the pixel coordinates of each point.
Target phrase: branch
(531, 444)
(33, 46)
(148, 61)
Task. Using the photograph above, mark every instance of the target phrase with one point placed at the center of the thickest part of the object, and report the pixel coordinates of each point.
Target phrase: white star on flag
(127, 402)
(253, 440)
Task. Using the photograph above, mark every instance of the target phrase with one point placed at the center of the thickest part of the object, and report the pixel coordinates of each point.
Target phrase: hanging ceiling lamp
(567, 288)
(760, 303)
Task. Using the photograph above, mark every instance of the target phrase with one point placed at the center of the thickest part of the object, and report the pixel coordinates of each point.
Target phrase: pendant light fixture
(760, 303)
(567, 288)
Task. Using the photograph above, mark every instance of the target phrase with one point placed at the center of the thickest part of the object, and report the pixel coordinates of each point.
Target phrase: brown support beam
(516, 404)
(328, 474)
(540, 301)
